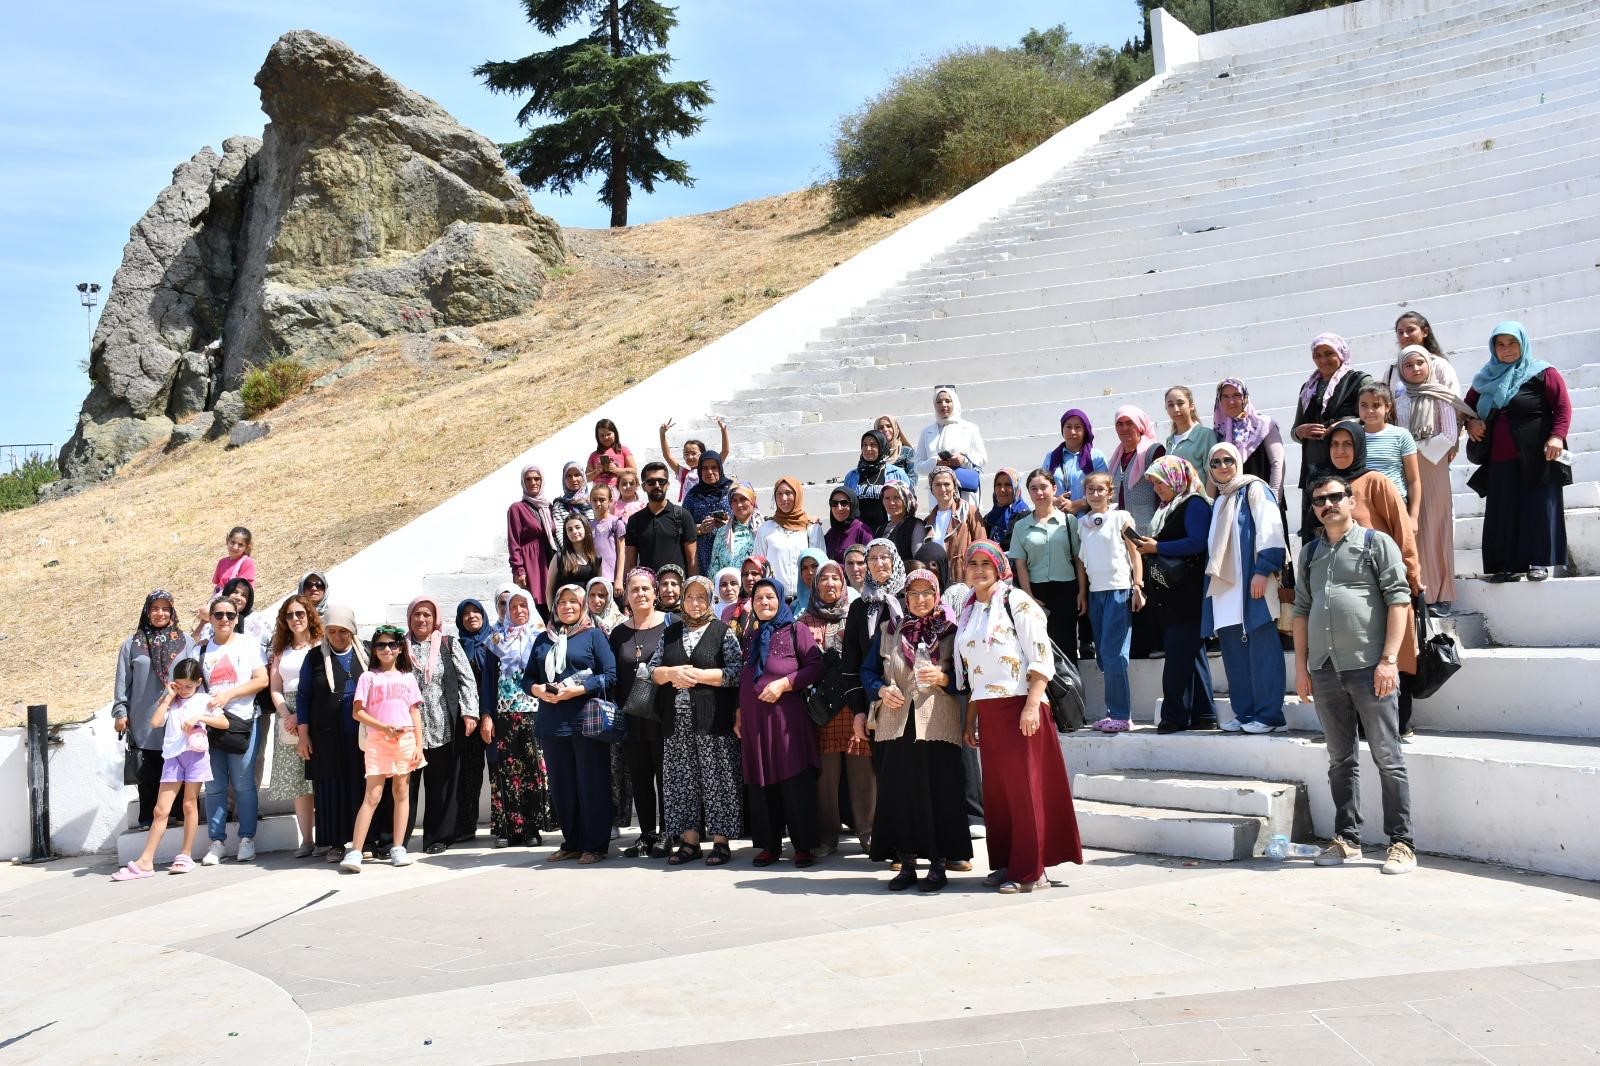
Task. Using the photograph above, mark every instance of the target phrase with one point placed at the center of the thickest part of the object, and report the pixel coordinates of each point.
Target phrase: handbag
(968, 479)
(818, 707)
(1065, 690)
(234, 740)
(1438, 658)
(130, 761)
(600, 720)
(641, 701)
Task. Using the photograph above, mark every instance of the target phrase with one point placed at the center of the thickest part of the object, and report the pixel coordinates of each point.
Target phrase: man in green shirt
(1349, 621)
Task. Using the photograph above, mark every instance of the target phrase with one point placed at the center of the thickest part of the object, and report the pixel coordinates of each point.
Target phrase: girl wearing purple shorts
(185, 764)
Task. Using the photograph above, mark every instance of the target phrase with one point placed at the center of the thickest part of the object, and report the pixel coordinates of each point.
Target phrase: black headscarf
(476, 645)
(933, 556)
(700, 488)
(838, 526)
(249, 596)
(1358, 467)
(869, 473)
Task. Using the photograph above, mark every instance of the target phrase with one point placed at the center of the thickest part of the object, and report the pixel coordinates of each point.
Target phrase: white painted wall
(88, 802)
(1264, 36)
(1174, 43)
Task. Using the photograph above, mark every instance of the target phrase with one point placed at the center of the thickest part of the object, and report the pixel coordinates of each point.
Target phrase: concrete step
(1488, 798)
(1159, 831)
(1275, 801)
(1558, 613)
(273, 833)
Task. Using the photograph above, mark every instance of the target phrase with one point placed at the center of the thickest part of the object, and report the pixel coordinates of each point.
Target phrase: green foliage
(20, 488)
(1196, 14)
(265, 387)
(941, 127)
(614, 108)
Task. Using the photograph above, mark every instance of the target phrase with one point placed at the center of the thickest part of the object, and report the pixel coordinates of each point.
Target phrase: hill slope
(416, 420)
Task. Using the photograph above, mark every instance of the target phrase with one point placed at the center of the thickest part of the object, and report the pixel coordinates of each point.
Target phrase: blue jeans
(1111, 615)
(240, 770)
(1256, 674)
(1186, 677)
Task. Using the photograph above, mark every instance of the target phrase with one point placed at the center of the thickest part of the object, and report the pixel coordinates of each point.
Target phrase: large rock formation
(364, 210)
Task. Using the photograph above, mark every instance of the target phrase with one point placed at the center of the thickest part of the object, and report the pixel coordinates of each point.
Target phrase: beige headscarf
(1224, 564)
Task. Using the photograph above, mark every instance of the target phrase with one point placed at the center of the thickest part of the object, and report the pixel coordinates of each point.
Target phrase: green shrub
(20, 488)
(265, 387)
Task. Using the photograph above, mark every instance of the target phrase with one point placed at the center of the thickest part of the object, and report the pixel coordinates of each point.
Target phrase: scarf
(733, 523)
(764, 630)
(868, 473)
(608, 618)
(474, 645)
(555, 660)
(322, 606)
(697, 620)
(896, 439)
(998, 520)
(955, 406)
(540, 507)
(796, 518)
(802, 598)
(340, 618)
(881, 599)
(932, 556)
(1084, 456)
(741, 612)
(435, 639)
(1308, 391)
(1141, 450)
(1179, 475)
(162, 644)
(1358, 438)
(828, 613)
(513, 644)
(1223, 562)
(1497, 382)
(1245, 432)
(929, 629)
(1427, 398)
(700, 488)
(716, 584)
(838, 526)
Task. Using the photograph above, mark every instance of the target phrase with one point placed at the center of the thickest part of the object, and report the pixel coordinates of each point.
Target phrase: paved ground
(495, 956)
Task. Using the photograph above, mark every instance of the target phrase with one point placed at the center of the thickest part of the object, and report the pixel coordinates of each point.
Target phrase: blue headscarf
(476, 645)
(802, 599)
(764, 630)
(1497, 382)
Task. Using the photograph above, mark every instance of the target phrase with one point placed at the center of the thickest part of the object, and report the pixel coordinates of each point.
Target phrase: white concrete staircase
(1202, 816)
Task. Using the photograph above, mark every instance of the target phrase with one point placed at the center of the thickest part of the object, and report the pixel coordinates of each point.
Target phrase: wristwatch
(1392, 660)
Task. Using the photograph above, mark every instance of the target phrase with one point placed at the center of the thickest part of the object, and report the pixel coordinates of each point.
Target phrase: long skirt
(519, 798)
(471, 752)
(337, 796)
(702, 780)
(1027, 803)
(1523, 525)
(1436, 532)
(786, 808)
(922, 808)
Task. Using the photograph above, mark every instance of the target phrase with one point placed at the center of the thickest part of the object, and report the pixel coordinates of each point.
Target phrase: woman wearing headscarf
(730, 589)
(1427, 401)
(1332, 393)
(810, 561)
(788, 532)
(1137, 447)
(314, 587)
(669, 588)
(1075, 458)
(1182, 527)
(902, 454)
(572, 663)
(707, 502)
(901, 524)
(324, 711)
(845, 525)
(1002, 653)
(866, 480)
(1255, 436)
(297, 631)
(916, 723)
(1246, 549)
(1378, 506)
(736, 540)
(473, 631)
(696, 668)
(1525, 413)
(574, 499)
(879, 600)
(634, 643)
(778, 743)
(845, 752)
(954, 523)
(531, 532)
(519, 801)
(144, 666)
(951, 442)
(605, 616)
(855, 567)
(1008, 504)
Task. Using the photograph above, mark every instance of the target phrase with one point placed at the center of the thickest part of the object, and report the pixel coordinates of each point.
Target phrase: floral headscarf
(163, 644)
(1246, 432)
(1308, 391)
(928, 630)
(1179, 475)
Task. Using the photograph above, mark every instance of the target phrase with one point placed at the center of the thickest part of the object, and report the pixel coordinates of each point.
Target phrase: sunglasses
(295, 614)
(838, 503)
(224, 615)
(1220, 461)
(655, 481)
(385, 645)
(316, 585)
(1328, 500)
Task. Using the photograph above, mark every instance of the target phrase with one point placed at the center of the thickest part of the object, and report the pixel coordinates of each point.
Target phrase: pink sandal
(182, 864)
(132, 872)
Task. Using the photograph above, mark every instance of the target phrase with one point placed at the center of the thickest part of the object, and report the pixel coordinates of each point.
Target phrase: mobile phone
(551, 690)
(944, 455)
(719, 516)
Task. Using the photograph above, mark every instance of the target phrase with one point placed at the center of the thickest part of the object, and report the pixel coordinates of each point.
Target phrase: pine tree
(614, 110)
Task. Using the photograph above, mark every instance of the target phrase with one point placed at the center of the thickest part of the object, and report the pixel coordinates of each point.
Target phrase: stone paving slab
(498, 956)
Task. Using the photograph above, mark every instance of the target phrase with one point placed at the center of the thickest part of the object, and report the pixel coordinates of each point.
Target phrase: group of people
(675, 660)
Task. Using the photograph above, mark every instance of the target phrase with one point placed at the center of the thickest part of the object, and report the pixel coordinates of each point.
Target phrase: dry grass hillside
(350, 462)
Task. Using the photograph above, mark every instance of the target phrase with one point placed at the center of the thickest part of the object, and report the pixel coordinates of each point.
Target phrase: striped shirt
(1386, 452)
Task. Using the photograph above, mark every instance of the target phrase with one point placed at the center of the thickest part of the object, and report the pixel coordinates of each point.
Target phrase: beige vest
(938, 716)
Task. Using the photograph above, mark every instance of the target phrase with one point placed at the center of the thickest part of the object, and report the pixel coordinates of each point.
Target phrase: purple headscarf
(1309, 389)
(1085, 453)
(1245, 433)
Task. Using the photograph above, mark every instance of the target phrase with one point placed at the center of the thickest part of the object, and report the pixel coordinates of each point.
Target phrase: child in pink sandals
(186, 765)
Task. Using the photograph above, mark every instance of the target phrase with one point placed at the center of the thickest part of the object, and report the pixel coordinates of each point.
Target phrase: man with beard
(661, 533)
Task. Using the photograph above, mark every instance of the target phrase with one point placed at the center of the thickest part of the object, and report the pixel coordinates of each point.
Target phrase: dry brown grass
(349, 463)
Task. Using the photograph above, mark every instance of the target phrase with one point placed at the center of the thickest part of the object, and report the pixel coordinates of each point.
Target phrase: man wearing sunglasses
(1349, 619)
(661, 532)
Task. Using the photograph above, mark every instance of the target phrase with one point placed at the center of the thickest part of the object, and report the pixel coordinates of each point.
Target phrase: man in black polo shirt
(661, 532)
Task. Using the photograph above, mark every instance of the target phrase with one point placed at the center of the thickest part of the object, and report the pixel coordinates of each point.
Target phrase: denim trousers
(1256, 675)
(1342, 698)
(240, 771)
(1187, 696)
(1111, 615)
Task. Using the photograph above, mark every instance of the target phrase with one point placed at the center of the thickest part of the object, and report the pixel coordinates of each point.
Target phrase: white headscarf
(1223, 563)
(513, 645)
(955, 405)
(555, 660)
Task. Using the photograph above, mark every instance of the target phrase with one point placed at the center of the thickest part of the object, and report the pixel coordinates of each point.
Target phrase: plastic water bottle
(922, 659)
(1280, 848)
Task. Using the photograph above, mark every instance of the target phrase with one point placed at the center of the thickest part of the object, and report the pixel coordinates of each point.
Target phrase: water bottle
(922, 659)
(1280, 848)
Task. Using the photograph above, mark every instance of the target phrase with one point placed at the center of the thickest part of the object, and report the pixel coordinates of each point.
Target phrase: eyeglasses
(1223, 460)
(1330, 499)
(295, 614)
(319, 586)
(224, 615)
(384, 645)
(655, 481)
(838, 503)
(920, 592)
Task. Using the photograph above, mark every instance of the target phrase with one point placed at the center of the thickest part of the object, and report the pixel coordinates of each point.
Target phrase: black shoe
(1170, 727)
(936, 878)
(437, 849)
(1204, 723)
(906, 877)
(1501, 579)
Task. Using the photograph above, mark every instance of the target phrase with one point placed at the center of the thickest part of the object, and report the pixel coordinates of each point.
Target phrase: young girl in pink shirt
(237, 563)
(388, 705)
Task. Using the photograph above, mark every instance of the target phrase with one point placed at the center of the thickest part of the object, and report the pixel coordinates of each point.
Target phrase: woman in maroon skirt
(1003, 653)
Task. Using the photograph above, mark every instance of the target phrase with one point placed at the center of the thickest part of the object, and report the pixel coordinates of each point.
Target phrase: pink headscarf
(1147, 437)
(1309, 389)
(434, 639)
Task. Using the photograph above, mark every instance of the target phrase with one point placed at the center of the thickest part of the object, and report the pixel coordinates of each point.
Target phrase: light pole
(88, 296)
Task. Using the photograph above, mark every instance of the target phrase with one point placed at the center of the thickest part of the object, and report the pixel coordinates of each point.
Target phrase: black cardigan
(712, 706)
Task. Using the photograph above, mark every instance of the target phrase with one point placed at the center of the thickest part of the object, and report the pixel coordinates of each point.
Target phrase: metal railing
(15, 455)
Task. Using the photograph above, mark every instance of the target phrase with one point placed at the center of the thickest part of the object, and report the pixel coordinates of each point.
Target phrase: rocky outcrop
(363, 211)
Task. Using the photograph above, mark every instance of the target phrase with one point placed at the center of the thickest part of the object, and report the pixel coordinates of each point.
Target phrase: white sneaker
(1256, 727)
(398, 856)
(213, 854)
(247, 850)
(1230, 726)
(352, 859)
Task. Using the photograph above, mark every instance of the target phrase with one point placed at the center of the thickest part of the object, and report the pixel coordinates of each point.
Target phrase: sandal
(589, 858)
(685, 853)
(182, 864)
(995, 879)
(132, 872)
(564, 854)
(720, 855)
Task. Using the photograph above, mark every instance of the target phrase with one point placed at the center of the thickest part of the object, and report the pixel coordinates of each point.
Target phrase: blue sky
(99, 101)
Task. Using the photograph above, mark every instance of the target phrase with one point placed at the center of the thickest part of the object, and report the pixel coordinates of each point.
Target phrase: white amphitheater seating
(1441, 156)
